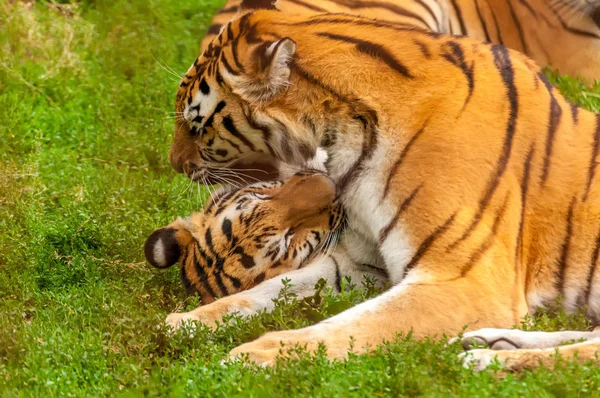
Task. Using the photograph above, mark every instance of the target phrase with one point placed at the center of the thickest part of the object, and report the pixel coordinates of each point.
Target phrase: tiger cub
(561, 33)
(463, 173)
(244, 237)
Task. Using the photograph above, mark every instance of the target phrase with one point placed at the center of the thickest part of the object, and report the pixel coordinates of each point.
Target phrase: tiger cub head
(245, 236)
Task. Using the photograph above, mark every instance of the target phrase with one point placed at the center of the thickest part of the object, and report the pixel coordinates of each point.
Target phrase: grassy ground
(84, 178)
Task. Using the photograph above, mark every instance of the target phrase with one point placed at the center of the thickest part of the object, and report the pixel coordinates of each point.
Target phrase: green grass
(84, 178)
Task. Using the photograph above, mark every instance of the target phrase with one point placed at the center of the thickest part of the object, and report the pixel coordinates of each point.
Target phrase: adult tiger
(462, 171)
(246, 236)
(563, 33)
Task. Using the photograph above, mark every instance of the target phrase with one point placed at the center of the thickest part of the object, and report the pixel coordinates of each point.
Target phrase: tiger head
(245, 236)
(235, 112)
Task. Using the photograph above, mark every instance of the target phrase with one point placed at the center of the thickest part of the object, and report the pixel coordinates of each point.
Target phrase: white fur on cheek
(207, 102)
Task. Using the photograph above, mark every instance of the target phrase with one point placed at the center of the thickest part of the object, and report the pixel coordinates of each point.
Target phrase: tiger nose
(186, 166)
(176, 162)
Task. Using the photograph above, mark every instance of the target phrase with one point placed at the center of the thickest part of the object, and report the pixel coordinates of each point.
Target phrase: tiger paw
(495, 339)
(264, 350)
(177, 321)
(477, 360)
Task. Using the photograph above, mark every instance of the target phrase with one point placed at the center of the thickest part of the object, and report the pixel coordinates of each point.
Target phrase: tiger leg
(331, 268)
(512, 339)
(426, 309)
(516, 360)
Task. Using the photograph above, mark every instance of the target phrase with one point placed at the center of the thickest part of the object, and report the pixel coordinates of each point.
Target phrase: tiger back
(562, 33)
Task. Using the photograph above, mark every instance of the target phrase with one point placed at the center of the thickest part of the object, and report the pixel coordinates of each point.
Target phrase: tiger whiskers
(572, 10)
(168, 69)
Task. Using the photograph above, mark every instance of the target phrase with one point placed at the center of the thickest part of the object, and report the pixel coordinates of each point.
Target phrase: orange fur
(473, 178)
(561, 34)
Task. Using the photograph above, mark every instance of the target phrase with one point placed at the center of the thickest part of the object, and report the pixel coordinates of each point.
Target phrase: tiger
(461, 170)
(248, 235)
(562, 33)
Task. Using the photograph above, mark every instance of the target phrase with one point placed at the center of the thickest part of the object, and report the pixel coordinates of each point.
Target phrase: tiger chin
(246, 236)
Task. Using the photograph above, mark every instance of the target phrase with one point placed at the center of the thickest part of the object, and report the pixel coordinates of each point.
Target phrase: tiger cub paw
(210, 315)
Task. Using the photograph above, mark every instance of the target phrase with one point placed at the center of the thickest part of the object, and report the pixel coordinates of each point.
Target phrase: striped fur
(463, 173)
(561, 33)
(248, 235)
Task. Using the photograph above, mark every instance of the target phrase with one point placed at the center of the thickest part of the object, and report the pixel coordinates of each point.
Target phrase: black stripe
(211, 118)
(431, 13)
(457, 58)
(593, 268)
(257, 5)
(337, 19)
(259, 278)
(266, 133)
(246, 260)
(338, 275)
(204, 87)
(316, 82)
(498, 34)
(519, 27)
(202, 276)
(220, 284)
(459, 16)
(593, 162)
(426, 244)
(214, 29)
(386, 231)
(233, 144)
(189, 288)
(208, 241)
(504, 65)
(370, 122)
(227, 10)
(424, 49)
(219, 263)
(574, 112)
(488, 242)
(482, 20)
(227, 230)
(555, 116)
(206, 157)
(374, 50)
(307, 5)
(229, 32)
(528, 6)
(394, 8)
(225, 63)
(234, 52)
(564, 253)
(399, 162)
(524, 191)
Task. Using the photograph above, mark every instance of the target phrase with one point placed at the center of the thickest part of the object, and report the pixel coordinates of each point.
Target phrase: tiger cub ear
(164, 246)
(272, 72)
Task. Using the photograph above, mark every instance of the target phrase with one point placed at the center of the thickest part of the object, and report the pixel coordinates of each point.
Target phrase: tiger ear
(164, 246)
(272, 70)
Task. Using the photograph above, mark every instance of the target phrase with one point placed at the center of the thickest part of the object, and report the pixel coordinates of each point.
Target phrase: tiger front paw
(210, 315)
(478, 359)
(177, 321)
